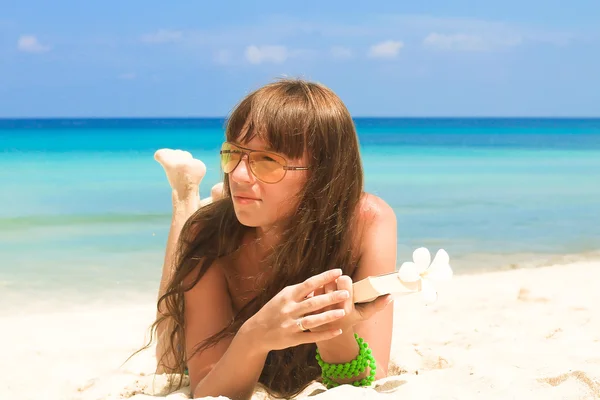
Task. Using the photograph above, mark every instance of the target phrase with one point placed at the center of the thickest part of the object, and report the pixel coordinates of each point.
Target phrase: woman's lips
(244, 199)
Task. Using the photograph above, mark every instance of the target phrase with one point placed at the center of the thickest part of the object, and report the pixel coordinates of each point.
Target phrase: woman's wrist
(341, 349)
(251, 334)
(338, 358)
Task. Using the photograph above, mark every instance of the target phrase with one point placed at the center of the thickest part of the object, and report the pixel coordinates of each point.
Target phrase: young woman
(257, 285)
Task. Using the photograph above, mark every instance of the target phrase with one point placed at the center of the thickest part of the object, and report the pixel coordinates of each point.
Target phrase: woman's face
(259, 204)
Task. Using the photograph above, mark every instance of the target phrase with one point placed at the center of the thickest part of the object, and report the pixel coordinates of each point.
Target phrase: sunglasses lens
(230, 157)
(267, 167)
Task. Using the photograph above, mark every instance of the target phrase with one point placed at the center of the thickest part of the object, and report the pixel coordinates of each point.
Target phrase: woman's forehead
(255, 139)
(256, 143)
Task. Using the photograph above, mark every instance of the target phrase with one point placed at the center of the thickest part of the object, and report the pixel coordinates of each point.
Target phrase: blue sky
(384, 58)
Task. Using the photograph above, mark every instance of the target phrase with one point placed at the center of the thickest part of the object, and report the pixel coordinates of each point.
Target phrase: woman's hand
(285, 321)
(354, 313)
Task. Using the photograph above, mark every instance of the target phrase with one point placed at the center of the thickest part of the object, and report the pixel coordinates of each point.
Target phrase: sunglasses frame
(246, 152)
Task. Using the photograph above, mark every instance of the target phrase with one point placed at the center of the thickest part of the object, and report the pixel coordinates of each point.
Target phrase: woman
(257, 287)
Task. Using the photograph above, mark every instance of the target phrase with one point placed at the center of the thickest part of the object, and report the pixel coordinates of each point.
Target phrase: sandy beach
(518, 334)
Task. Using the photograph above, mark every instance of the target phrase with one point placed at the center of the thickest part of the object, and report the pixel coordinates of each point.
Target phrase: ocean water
(85, 209)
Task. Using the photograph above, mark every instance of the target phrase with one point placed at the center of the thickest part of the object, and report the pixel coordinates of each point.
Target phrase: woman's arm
(378, 256)
(379, 252)
(232, 367)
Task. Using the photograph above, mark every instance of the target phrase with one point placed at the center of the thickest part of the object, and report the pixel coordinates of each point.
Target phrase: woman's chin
(247, 220)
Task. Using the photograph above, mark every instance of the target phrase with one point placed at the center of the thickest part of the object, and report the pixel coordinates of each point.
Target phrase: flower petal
(408, 272)
(441, 257)
(440, 267)
(428, 291)
(422, 259)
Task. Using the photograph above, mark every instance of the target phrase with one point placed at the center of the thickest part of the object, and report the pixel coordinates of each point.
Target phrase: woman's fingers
(319, 302)
(301, 290)
(313, 337)
(316, 320)
(345, 283)
(330, 287)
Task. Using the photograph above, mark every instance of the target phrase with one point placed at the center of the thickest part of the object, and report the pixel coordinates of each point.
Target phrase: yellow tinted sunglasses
(266, 166)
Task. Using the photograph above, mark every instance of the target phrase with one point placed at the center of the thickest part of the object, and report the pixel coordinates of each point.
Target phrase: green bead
(350, 369)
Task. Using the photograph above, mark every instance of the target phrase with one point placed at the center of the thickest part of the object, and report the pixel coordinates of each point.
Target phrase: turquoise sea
(85, 209)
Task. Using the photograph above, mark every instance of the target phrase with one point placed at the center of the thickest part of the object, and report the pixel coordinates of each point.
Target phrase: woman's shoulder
(374, 217)
(376, 237)
(212, 278)
(373, 209)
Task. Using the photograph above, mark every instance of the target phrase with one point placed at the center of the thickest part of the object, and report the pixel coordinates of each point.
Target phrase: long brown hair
(294, 117)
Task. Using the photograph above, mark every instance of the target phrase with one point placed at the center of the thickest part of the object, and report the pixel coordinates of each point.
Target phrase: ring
(299, 323)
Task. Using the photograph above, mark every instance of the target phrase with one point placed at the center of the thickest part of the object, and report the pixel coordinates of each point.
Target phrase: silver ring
(299, 323)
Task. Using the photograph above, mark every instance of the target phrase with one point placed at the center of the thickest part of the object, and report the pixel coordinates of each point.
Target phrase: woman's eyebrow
(266, 147)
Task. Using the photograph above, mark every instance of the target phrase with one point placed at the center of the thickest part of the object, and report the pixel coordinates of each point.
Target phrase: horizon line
(353, 117)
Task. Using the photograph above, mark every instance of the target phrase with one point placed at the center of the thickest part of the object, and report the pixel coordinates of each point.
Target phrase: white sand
(522, 334)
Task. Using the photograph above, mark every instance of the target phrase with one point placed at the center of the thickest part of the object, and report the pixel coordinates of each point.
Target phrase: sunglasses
(266, 166)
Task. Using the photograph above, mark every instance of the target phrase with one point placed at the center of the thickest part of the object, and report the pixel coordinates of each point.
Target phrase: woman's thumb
(372, 308)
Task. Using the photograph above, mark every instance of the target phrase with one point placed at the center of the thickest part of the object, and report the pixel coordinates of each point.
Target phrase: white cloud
(341, 53)
(30, 44)
(163, 36)
(387, 49)
(449, 33)
(460, 42)
(473, 43)
(223, 57)
(128, 76)
(265, 54)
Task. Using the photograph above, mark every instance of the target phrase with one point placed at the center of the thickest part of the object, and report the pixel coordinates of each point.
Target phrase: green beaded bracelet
(350, 369)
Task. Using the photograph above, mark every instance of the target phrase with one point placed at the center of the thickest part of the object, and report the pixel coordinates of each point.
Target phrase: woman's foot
(184, 172)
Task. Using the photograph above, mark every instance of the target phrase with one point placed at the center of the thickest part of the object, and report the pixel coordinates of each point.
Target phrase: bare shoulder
(376, 237)
(374, 210)
(212, 284)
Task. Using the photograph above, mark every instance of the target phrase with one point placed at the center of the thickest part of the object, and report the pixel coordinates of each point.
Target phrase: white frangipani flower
(424, 270)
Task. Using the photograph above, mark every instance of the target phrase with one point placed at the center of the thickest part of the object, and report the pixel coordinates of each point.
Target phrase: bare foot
(216, 193)
(184, 172)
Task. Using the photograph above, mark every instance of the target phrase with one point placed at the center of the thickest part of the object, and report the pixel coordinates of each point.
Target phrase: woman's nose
(242, 172)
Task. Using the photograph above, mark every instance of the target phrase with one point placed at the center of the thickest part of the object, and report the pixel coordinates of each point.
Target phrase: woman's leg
(184, 174)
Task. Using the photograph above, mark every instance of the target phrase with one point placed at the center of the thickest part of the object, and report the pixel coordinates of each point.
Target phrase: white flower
(424, 270)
